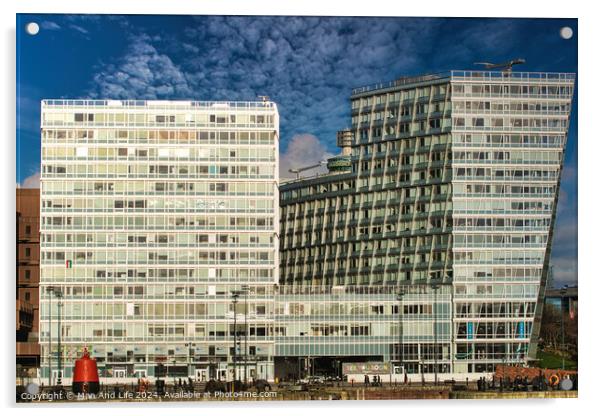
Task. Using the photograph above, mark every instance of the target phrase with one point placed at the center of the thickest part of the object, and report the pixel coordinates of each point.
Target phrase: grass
(549, 360)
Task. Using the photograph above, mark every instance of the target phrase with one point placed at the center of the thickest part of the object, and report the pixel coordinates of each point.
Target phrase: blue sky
(307, 65)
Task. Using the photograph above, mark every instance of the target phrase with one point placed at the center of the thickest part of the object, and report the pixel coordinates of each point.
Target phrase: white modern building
(159, 225)
(425, 248)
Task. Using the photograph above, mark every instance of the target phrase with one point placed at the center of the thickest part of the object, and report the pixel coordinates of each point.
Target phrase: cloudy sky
(307, 65)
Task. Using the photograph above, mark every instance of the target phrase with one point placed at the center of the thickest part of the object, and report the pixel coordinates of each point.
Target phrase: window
(28, 229)
(82, 117)
(478, 122)
(27, 251)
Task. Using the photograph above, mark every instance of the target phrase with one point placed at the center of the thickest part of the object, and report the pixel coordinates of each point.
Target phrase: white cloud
(303, 150)
(50, 25)
(32, 181)
(79, 29)
(307, 65)
(143, 73)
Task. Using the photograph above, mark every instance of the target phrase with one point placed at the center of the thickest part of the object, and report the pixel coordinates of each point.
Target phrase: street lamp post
(245, 289)
(49, 291)
(234, 302)
(59, 295)
(562, 294)
(400, 296)
(435, 287)
(189, 346)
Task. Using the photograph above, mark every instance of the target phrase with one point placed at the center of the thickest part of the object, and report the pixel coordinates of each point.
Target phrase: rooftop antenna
(264, 98)
(302, 169)
(505, 67)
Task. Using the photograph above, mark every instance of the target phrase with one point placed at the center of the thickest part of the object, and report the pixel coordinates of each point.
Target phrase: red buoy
(85, 375)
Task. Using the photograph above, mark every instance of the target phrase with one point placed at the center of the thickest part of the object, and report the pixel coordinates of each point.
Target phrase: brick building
(28, 277)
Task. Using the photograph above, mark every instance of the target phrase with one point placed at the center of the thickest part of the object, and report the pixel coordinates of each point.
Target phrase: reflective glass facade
(509, 135)
(152, 214)
(454, 182)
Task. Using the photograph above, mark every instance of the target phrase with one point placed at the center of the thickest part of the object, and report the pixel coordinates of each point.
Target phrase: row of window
(143, 170)
(477, 188)
(405, 110)
(75, 187)
(377, 197)
(159, 239)
(414, 145)
(432, 125)
(523, 107)
(135, 154)
(504, 206)
(358, 278)
(494, 309)
(510, 122)
(513, 156)
(73, 332)
(543, 140)
(535, 174)
(155, 278)
(380, 99)
(495, 222)
(138, 136)
(74, 310)
(110, 205)
(154, 222)
(143, 118)
(157, 257)
(502, 240)
(549, 91)
(497, 272)
(491, 330)
(497, 290)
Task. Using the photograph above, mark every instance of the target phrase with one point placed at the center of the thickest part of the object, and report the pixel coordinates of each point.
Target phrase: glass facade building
(454, 183)
(426, 245)
(154, 215)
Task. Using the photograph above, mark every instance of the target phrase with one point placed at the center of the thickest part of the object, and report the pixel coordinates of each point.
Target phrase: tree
(551, 331)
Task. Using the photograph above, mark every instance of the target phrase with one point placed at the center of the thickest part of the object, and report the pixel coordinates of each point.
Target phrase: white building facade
(509, 134)
(159, 230)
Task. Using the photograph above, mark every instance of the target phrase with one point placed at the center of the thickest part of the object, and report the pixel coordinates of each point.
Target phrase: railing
(162, 105)
(286, 181)
(401, 81)
(481, 75)
(520, 76)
